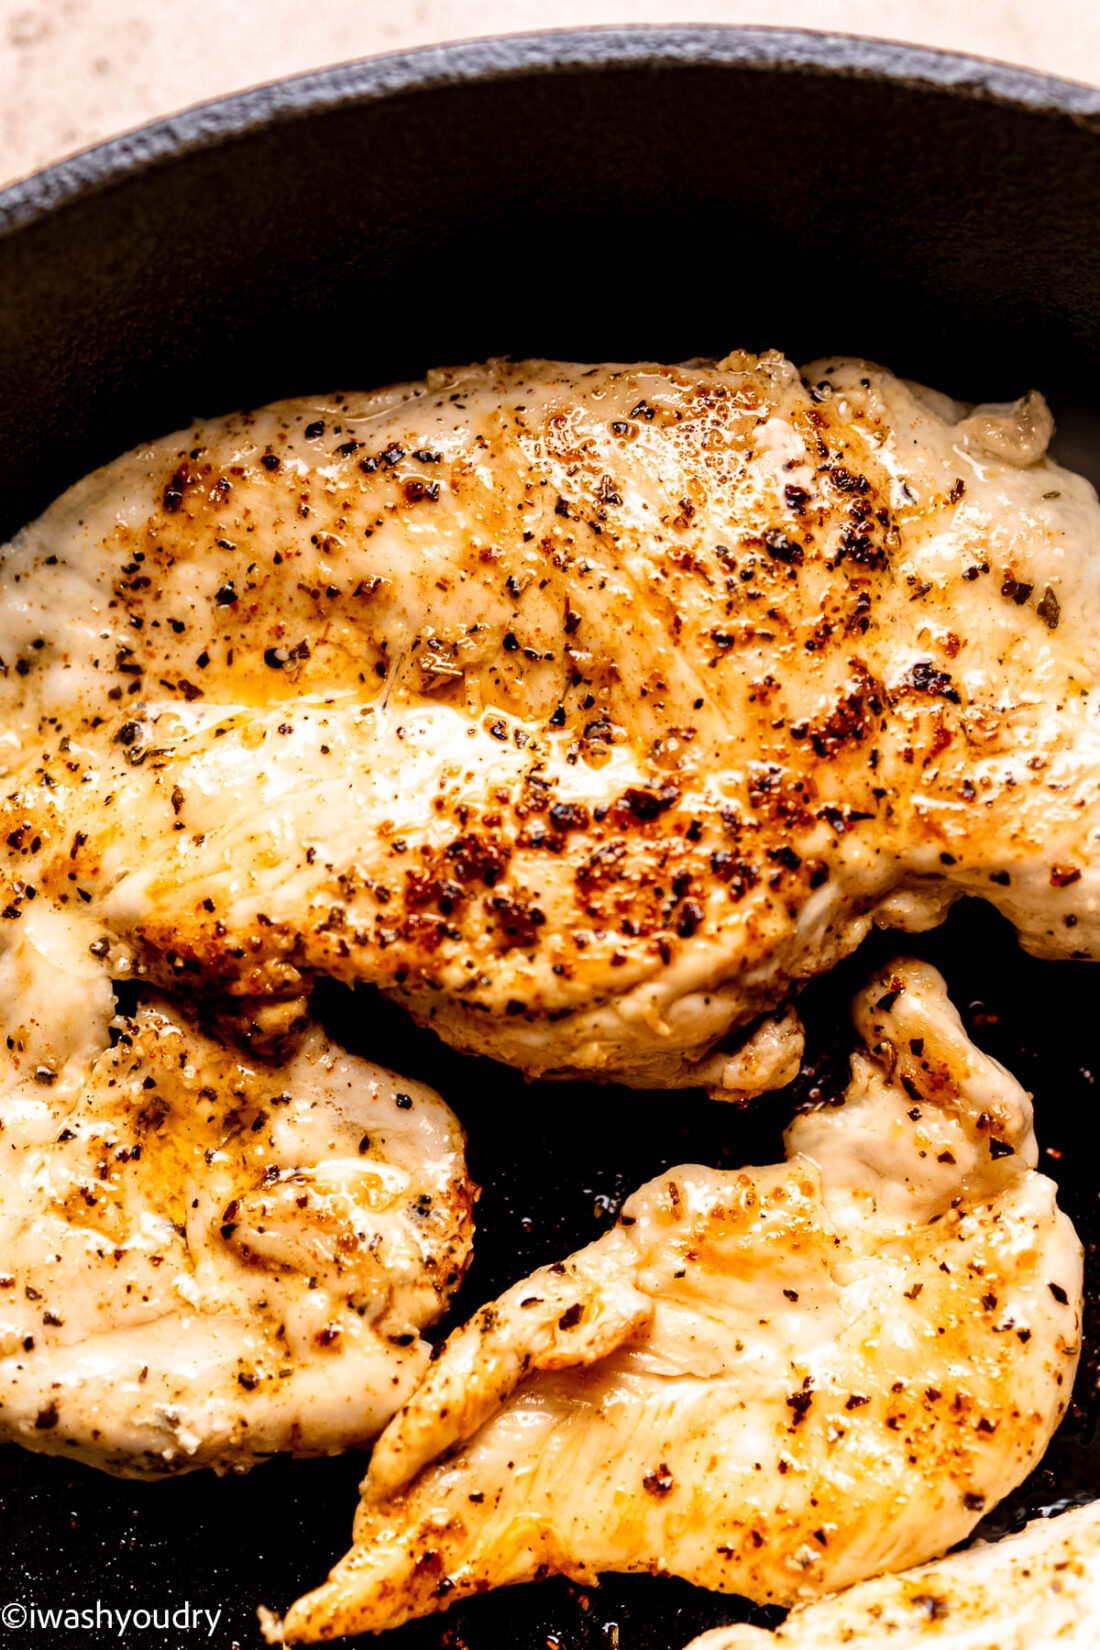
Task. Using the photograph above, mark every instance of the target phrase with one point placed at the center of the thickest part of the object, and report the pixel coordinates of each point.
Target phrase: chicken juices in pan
(772, 1382)
(586, 709)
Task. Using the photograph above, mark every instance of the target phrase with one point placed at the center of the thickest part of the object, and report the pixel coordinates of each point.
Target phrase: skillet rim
(544, 53)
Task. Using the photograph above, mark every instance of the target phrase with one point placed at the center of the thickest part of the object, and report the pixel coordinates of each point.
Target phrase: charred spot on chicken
(587, 710)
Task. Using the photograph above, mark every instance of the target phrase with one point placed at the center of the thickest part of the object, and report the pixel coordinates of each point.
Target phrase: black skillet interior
(659, 193)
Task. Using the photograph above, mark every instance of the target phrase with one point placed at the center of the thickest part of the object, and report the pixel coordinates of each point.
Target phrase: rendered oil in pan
(556, 1162)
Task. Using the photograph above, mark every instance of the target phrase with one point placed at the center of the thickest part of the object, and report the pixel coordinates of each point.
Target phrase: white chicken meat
(772, 1382)
(204, 1260)
(1033, 1591)
(586, 709)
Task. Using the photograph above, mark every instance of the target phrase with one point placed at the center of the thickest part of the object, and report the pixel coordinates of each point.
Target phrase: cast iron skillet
(654, 193)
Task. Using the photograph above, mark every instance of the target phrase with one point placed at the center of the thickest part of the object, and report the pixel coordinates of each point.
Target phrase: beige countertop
(75, 71)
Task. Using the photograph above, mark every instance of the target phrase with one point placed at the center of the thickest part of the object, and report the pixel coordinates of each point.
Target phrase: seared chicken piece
(1031, 1591)
(203, 1261)
(587, 709)
(773, 1382)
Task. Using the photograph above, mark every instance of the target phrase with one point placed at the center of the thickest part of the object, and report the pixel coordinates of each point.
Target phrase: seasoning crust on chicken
(774, 1382)
(586, 709)
(1026, 1592)
(204, 1261)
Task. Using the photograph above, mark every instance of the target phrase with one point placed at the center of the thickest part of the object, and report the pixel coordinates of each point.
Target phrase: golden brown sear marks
(587, 709)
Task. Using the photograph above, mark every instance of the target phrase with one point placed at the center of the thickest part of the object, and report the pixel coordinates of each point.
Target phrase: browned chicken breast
(204, 1260)
(774, 1382)
(586, 709)
(1034, 1591)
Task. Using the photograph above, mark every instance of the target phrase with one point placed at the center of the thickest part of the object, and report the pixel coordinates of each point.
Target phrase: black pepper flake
(691, 916)
(173, 492)
(226, 596)
(569, 816)
(781, 548)
(1059, 1293)
(799, 1402)
(659, 1482)
(644, 806)
(923, 677)
(416, 490)
(1049, 609)
(270, 462)
(601, 729)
